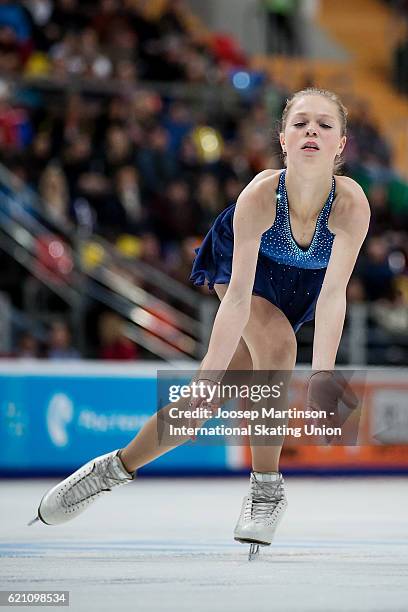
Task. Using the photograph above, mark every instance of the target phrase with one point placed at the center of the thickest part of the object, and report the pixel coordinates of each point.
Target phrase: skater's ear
(282, 141)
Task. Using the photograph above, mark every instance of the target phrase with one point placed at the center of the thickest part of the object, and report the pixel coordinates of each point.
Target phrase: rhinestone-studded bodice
(278, 243)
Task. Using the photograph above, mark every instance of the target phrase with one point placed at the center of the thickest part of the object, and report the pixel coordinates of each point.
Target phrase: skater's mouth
(310, 145)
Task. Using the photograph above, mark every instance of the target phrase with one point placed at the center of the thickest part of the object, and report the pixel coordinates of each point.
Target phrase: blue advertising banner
(52, 422)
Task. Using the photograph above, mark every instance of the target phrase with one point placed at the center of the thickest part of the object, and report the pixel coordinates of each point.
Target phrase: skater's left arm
(350, 225)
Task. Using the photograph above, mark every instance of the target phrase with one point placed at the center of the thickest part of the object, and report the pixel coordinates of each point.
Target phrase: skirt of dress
(293, 290)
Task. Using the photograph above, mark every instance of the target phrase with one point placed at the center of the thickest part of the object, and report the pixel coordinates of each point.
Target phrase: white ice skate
(262, 511)
(76, 493)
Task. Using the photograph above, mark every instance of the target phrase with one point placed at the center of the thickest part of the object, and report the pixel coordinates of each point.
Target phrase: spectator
(172, 18)
(178, 123)
(188, 160)
(53, 190)
(66, 16)
(105, 19)
(11, 59)
(66, 55)
(15, 125)
(233, 188)
(96, 192)
(114, 111)
(38, 156)
(355, 291)
(381, 215)
(231, 162)
(156, 166)
(145, 107)
(173, 217)
(97, 64)
(128, 200)
(151, 252)
(181, 265)
(145, 29)
(122, 43)
(365, 139)
(40, 11)
(59, 342)
(15, 35)
(392, 315)
(70, 125)
(119, 150)
(77, 160)
(20, 201)
(208, 201)
(375, 270)
(127, 73)
(27, 347)
(113, 343)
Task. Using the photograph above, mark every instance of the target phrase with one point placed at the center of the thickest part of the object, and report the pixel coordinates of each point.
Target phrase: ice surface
(161, 544)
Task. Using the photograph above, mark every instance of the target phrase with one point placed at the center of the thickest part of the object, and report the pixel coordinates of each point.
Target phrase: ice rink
(161, 544)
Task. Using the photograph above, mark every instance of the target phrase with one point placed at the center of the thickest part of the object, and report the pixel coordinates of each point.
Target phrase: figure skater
(281, 256)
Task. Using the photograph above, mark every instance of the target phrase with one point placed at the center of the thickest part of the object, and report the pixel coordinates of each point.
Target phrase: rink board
(53, 417)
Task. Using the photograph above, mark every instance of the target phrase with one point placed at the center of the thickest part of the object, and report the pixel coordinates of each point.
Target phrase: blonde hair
(329, 95)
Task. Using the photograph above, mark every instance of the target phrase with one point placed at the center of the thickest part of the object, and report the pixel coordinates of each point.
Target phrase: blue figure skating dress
(287, 275)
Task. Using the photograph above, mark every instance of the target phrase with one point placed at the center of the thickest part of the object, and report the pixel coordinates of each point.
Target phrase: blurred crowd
(156, 168)
(58, 344)
(126, 40)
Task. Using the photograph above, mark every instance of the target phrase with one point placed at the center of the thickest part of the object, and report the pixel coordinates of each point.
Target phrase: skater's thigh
(268, 336)
(241, 359)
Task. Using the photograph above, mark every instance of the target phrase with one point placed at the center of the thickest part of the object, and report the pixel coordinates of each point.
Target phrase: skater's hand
(326, 390)
(201, 400)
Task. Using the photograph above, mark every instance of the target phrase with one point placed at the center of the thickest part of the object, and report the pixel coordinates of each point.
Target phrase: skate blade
(249, 541)
(33, 521)
(254, 546)
(253, 552)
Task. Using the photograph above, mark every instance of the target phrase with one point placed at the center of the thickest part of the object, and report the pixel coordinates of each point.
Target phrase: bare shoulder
(350, 194)
(263, 181)
(351, 209)
(347, 185)
(256, 204)
(269, 173)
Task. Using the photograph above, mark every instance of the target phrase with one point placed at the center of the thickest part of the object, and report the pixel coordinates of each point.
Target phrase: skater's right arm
(253, 215)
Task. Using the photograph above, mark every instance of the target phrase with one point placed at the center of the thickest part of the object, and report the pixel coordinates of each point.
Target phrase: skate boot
(76, 493)
(261, 512)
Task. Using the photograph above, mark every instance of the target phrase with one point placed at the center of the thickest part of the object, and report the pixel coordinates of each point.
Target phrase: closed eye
(323, 125)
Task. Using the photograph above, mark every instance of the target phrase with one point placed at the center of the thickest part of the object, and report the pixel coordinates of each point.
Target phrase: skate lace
(101, 478)
(263, 500)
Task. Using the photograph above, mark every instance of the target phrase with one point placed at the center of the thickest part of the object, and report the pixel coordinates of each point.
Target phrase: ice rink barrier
(56, 416)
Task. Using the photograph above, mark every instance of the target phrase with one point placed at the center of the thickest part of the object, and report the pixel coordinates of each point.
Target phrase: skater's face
(313, 132)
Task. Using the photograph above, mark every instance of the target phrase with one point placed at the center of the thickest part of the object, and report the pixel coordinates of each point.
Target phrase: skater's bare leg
(272, 345)
(145, 445)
